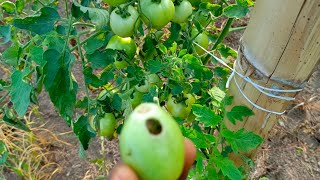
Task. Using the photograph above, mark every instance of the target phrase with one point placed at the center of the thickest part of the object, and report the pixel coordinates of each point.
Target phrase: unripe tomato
(107, 125)
(158, 14)
(180, 109)
(124, 24)
(182, 12)
(202, 39)
(114, 2)
(152, 144)
(124, 44)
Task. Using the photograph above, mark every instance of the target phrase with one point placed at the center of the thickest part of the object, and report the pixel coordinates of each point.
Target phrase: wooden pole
(279, 49)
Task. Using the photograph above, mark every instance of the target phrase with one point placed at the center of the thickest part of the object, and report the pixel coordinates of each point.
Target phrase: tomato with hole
(152, 144)
(124, 22)
(157, 13)
(107, 125)
(115, 2)
(126, 45)
(151, 79)
(202, 39)
(182, 12)
(180, 109)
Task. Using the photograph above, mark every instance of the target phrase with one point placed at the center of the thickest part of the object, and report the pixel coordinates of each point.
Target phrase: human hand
(124, 172)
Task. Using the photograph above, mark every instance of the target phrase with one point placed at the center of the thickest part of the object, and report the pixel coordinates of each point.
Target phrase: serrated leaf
(5, 34)
(155, 66)
(116, 102)
(228, 168)
(174, 35)
(95, 43)
(205, 115)
(101, 59)
(215, 9)
(36, 55)
(12, 54)
(149, 97)
(59, 83)
(40, 23)
(235, 11)
(98, 16)
(238, 112)
(83, 130)
(20, 93)
(241, 140)
(217, 94)
(226, 51)
(196, 137)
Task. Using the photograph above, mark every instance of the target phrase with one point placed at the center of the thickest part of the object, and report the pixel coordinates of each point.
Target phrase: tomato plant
(126, 62)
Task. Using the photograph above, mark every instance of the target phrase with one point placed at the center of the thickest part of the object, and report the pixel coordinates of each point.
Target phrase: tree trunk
(279, 49)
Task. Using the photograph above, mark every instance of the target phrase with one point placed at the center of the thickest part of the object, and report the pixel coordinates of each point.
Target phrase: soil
(292, 150)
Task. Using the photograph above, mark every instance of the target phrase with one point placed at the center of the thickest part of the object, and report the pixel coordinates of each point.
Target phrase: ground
(292, 150)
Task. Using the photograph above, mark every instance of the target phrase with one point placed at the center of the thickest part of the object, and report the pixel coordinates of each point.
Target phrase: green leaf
(245, 3)
(215, 9)
(226, 51)
(36, 55)
(205, 115)
(98, 16)
(101, 59)
(5, 34)
(39, 23)
(174, 35)
(155, 66)
(227, 167)
(20, 6)
(235, 11)
(59, 83)
(241, 140)
(20, 93)
(199, 139)
(84, 132)
(8, 6)
(217, 94)
(238, 112)
(94, 43)
(11, 120)
(12, 54)
(149, 97)
(3, 152)
(116, 102)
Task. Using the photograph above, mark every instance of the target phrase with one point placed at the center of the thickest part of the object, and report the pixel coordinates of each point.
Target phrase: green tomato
(180, 109)
(136, 99)
(124, 24)
(114, 2)
(125, 44)
(158, 14)
(182, 12)
(151, 79)
(202, 39)
(152, 144)
(107, 125)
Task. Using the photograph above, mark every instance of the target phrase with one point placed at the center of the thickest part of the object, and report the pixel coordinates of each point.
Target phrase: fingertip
(190, 156)
(123, 172)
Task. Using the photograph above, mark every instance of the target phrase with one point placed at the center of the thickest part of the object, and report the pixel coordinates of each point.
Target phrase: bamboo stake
(279, 49)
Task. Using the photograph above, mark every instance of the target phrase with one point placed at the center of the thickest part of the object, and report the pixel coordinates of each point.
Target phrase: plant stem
(237, 29)
(84, 41)
(83, 66)
(2, 98)
(83, 24)
(223, 33)
(67, 40)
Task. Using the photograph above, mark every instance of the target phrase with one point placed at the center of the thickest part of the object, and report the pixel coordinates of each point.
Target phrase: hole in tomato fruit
(154, 126)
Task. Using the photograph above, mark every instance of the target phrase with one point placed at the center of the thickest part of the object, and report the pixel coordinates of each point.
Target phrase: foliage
(44, 44)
